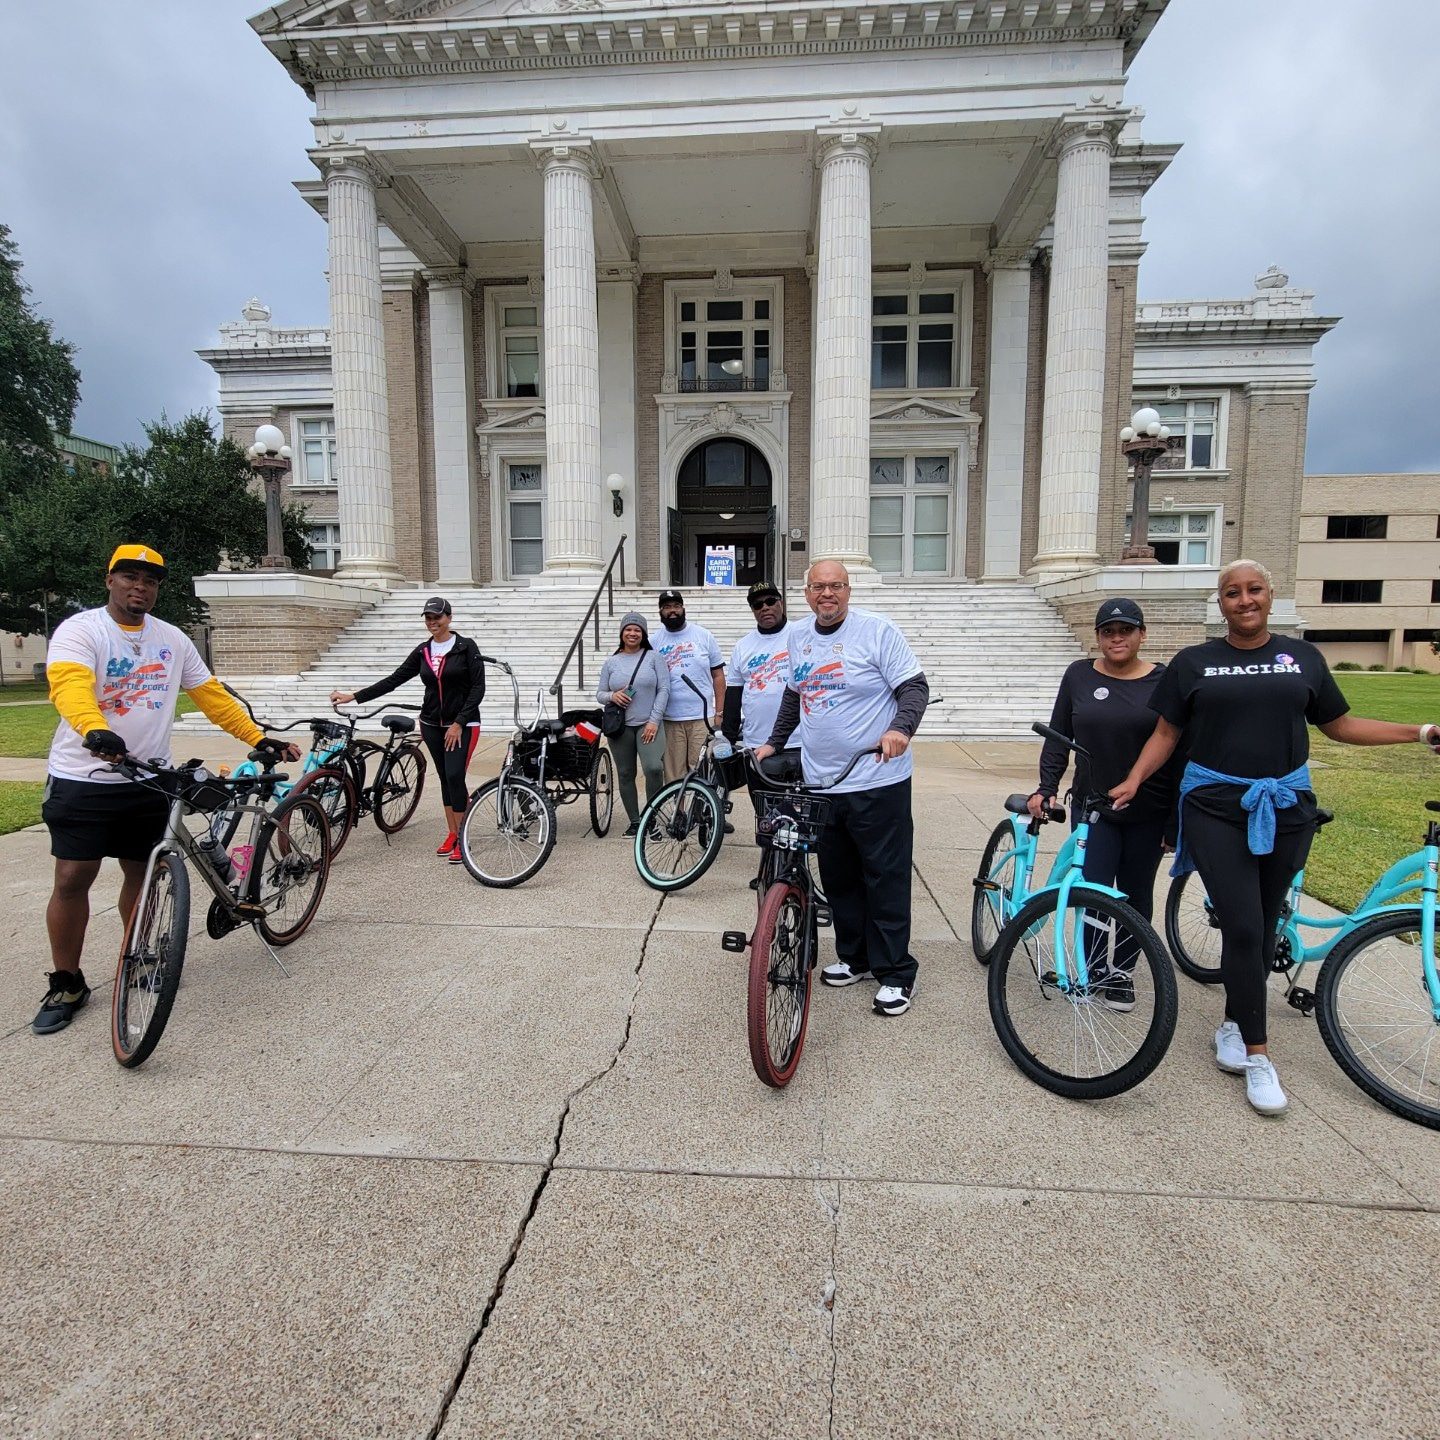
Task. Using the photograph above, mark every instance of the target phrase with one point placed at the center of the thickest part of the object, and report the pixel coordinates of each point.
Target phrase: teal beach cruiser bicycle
(1082, 994)
(1377, 995)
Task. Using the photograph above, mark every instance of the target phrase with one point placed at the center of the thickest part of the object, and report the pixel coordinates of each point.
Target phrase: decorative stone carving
(724, 280)
(256, 312)
(1272, 279)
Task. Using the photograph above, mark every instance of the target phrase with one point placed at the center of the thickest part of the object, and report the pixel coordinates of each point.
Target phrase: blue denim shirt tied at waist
(1262, 798)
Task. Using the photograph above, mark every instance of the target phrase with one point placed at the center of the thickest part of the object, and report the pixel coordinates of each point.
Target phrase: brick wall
(321, 506)
(405, 476)
(799, 373)
(647, 559)
(1274, 479)
(970, 554)
(274, 638)
(1170, 625)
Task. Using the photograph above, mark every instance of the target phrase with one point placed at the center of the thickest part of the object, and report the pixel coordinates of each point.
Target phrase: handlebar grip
(1046, 733)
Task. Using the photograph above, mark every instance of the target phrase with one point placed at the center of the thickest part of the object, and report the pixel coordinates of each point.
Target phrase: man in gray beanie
(635, 679)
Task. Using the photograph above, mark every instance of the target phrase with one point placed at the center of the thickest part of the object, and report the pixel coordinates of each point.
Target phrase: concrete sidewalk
(494, 1163)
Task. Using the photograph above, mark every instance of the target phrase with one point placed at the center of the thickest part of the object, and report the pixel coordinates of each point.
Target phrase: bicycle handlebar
(1045, 732)
(367, 715)
(819, 785)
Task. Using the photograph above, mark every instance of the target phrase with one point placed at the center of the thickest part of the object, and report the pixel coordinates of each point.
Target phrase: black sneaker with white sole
(843, 973)
(1116, 989)
(67, 993)
(893, 999)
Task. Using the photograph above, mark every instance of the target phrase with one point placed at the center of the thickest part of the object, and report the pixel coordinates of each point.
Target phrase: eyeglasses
(766, 602)
(823, 587)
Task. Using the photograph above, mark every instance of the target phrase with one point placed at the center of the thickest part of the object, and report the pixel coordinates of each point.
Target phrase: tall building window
(520, 350)
(724, 344)
(912, 340)
(525, 517)
(317, 452)
(1356, 527)
(1350, 592)
(911, 513)
(325, 547)
(1181, 537)
(1194, 433)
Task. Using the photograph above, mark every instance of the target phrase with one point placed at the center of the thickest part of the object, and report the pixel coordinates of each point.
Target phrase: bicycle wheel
(777, 1008)
(398, 787)
(505, 838)
(1375, 1016)
(602, 790)
(335, 791)
(290, 869)
(992, 906)
(679, 835)
(1192, 930)
(1090, 1042)
(151, 958)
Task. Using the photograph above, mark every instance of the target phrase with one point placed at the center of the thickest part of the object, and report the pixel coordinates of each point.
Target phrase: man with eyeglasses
(758, 672)
(855, 684)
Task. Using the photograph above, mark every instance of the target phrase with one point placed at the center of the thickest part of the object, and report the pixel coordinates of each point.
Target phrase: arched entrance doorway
(723, 495)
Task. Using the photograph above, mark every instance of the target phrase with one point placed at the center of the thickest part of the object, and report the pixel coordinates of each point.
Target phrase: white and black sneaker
(893, 999)
(843, 973)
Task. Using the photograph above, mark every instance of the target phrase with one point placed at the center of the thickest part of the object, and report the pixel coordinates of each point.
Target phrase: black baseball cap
(762, 590)
(436, 605)
(1120, 611)
(667, 596)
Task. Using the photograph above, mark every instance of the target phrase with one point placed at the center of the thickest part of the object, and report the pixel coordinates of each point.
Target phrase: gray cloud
(148, 178)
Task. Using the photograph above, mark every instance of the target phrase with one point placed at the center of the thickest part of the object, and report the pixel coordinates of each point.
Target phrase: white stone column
(840, 416)
(452, 405)
(1075, 342)
(573, 482)
(357, 364)
(1007, 374)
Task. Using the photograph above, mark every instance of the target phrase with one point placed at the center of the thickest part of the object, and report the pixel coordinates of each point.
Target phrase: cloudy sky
(147, 150)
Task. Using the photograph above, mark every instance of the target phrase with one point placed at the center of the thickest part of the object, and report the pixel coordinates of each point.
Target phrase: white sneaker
(1230, 1053)
(893, 999)
(1262, 1086)
(843, 973)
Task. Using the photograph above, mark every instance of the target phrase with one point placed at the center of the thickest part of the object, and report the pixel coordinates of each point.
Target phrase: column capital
(1008, 257)
(559, 149)
(850, 133)
(450, 277)
(1088, 126)
(626, 272)
(347, 162)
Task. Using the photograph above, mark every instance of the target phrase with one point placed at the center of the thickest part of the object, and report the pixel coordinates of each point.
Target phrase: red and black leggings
(450, 765)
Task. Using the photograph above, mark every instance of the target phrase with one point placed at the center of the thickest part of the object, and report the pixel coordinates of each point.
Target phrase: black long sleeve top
(454, 683)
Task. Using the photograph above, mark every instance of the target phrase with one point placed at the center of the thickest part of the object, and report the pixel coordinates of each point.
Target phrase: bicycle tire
(334, 789)
(396, 799)
(134, 1030)
(776, 1031)
(1020, 952)
(527, 829)
(987, 908)
(660, 825)
(1334, 973)
(294, 846)
(602, 783)
(1181, 934)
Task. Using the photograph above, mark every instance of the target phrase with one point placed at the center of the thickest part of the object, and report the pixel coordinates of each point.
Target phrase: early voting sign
(719, 564)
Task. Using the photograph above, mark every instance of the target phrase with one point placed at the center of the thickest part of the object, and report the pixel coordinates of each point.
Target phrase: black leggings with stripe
(450, 765)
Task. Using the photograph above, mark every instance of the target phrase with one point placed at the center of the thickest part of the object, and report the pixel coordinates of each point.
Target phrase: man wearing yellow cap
(115, 674)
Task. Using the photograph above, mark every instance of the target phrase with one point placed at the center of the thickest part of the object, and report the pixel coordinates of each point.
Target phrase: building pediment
(507, 415)
(947, 409)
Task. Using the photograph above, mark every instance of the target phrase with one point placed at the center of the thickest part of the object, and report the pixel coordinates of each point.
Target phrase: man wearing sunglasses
(758, 672)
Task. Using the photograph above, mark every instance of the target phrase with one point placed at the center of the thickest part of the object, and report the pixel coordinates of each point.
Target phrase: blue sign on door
(719, 564)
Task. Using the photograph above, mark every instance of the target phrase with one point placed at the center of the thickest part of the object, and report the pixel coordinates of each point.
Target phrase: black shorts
(90, 821)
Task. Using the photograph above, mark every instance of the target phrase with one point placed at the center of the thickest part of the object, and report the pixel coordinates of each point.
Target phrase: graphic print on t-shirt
(127, 686)
(819, 685)
(676, 655)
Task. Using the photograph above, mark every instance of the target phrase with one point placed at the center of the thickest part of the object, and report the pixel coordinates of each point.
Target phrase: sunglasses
(766, 603)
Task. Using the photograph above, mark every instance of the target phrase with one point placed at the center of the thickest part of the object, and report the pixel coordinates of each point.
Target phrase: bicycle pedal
(735, 941)
(824, 917)
(1301, 999)
(990, 885)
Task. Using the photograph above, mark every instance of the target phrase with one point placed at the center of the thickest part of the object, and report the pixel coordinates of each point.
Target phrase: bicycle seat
(266, 759)
(1323, 817)
(1018, 804)
(784, 766)
(547, 727)
(399, 724)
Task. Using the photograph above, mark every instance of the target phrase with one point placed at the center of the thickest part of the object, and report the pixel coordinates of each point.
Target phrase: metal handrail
(576, 651)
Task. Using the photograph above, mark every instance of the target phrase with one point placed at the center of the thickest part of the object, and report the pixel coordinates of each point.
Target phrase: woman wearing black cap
(1104, 705)
(452, 671)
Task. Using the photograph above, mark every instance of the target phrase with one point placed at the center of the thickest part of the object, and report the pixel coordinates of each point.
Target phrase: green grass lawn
(19, 804)
(26, 730)
(1376, 792)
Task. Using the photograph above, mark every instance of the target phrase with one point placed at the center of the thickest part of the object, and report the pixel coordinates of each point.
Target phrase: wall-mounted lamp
(615, 484)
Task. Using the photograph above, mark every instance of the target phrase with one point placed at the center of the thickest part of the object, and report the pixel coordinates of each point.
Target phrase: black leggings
(1127, 857)
(450, 765)
(1248, 892)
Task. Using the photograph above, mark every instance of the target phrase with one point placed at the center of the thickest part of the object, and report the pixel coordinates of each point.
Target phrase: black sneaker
(67, 993)
(632, 829)
(1116, 990)
(729, 828)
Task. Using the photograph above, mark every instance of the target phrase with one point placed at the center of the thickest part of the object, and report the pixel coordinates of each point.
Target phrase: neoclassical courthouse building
(810, 277)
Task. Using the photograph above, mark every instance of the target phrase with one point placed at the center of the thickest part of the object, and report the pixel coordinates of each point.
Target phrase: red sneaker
(448, 844)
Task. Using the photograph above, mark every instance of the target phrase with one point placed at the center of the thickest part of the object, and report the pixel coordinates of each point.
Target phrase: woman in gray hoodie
(636, 679)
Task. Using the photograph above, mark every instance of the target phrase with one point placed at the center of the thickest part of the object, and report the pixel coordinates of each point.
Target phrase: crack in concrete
(498, 1289)
(831, 1296)
(935, 900)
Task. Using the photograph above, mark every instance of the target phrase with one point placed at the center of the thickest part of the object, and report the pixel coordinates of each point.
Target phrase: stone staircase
(993, 654)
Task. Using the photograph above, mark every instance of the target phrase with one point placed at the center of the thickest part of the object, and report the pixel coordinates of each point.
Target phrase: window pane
(936, 332)
(1201, 449)
(885, 553)
(317, 427)
(1171, 413)
(724, 463)
(932, 470)
(1198, 524)
(724, 309)
(525, 521)
(937, 304)
(929, 554)
(687, 310)
(520, 315)
(1164, 525)
(762, 309)
(932, 369)
(887, 470)
(932, 515)
(887, 305)
(524, 477)
(1203, 409)
(762, 369)
(887, 515)
(887, 365)
(1197, 552)
(527, 557)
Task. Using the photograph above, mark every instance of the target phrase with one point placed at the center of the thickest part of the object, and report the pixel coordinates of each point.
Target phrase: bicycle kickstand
(269, 950)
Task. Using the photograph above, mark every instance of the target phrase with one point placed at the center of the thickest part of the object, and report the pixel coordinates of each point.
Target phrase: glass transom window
(912, 341)
(912, 508)
(1181, 537)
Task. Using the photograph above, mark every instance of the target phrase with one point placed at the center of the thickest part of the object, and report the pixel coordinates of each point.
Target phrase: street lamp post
(269, 457)
(1143, 441)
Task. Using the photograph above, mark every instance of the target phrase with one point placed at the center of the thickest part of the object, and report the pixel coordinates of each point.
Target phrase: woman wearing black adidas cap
(1104, 705)
(452, 670)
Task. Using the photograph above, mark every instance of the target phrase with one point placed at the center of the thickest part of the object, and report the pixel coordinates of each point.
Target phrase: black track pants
(450, 765)
(1127, 857)
(1248, 892)
(865, 857)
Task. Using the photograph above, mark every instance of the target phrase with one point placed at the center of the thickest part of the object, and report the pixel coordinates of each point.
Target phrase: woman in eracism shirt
(1247, 807)
(1104, 705)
